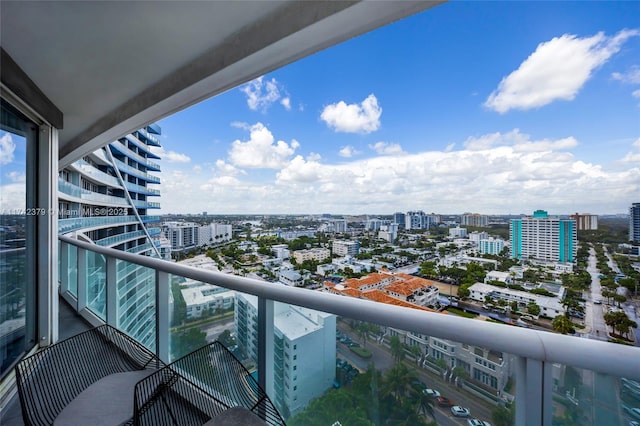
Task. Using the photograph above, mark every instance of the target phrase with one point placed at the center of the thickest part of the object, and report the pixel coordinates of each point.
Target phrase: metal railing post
(265, 344)
(82, 279)
(64, 267)
(162, 315)
(111, 292)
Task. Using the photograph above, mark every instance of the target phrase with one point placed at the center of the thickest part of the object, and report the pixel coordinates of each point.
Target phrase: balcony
(121, 148)
(75, 191)
(543, 364)
(136, 172)
(88, 223)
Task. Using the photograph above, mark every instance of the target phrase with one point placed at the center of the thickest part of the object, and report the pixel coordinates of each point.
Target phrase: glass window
(17, 228)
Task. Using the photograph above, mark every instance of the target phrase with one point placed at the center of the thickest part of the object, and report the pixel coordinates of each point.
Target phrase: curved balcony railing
(142, 189)
(152, 139)
(536, 357)
(135, 172)
(120, 147)
(99, 176)
(77, 223)
(86, 195)
(141, 146)
(120, 238)
(146, 204)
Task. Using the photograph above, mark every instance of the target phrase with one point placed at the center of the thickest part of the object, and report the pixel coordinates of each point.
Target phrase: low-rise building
(549, 306)
(315, 254)
(491, 246)
(201, 298)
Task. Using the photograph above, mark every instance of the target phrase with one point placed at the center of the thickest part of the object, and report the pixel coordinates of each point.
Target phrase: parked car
(597, 302)
(477, 422)
(431, 392)
(444, 402)
(459, 411)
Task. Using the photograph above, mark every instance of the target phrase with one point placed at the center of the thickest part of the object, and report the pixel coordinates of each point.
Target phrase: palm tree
(563, 325)
(398, 381)
(397, 348)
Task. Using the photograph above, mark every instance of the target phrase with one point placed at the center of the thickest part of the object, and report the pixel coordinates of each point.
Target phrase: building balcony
(99, 176)
(84, 195)
(89, 223)
(122, 149)
(541, 365)
(136, 172)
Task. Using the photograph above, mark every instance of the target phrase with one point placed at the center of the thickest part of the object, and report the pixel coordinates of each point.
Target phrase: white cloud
(502, 172)
(260, 151)
(197, 168)
(240, 125)
(520, 142)
(633, 157)
(632, 76)
(7, 147)
(556, 70)
(17, 177)
(353, 118)
(384, 148)
(314, 156)
(13, 196)
(450, 147)
(261, 94)
(226, 169)
(170, 156)
(348, 151)
(636, 93)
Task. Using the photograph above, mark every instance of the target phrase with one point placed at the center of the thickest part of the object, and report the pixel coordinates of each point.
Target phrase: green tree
(397, 348)
(502, 416)
(533, 309)
(563, 325)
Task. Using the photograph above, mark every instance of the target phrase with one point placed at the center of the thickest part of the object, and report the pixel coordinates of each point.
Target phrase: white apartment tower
(105, 199)
(304, 351)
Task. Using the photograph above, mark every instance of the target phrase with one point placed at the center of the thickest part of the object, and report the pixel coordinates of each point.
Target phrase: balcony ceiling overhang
(113, 67)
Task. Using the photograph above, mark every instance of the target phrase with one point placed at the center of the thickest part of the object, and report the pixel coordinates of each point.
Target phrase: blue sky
(489, 107)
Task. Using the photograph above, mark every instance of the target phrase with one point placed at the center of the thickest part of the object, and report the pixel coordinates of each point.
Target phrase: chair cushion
(236, 416)
(109, 401)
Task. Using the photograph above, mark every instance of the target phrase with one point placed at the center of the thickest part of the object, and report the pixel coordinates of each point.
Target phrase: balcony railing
(75, 223)
(135, 172)
(86, 195)
(543, 364)
(117, 239)
(88, 170)
(120, 147)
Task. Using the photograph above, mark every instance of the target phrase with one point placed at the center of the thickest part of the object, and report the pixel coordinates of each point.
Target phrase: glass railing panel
(72, 269)
(136, 302)
(587, 397)
(96, 282)
(202, 313)
(383, 375)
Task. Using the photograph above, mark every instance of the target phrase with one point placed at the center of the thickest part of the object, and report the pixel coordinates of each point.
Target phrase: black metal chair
(85, 379)
(198, 387)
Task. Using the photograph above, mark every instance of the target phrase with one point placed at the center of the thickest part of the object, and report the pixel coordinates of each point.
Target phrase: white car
(431, 392)
(477, 422)
(459, 411)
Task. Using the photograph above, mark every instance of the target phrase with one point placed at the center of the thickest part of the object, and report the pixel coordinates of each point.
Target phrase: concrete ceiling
(112, 67)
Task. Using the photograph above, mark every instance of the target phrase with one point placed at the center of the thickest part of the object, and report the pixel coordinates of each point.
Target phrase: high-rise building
(474, 219)
(585, 221)
(304, 350)
(104, 199)
(398, 218)
(544, 237)
(416, 220)
(634, 223)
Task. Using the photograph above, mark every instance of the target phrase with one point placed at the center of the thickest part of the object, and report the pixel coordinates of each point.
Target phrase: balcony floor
(69, 324)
